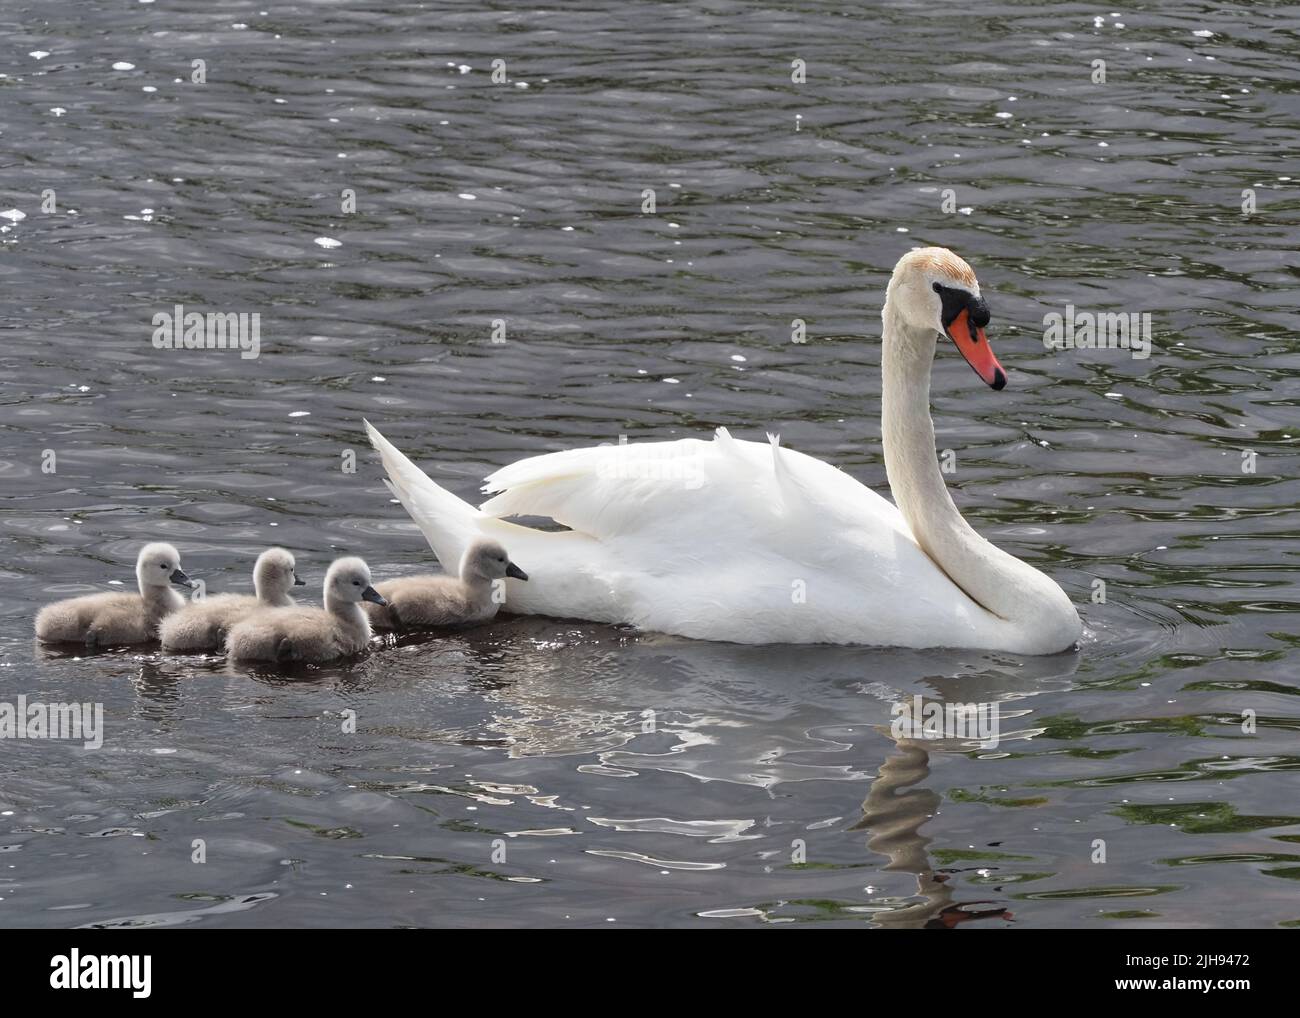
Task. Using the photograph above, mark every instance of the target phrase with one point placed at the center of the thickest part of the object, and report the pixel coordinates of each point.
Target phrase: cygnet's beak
(371, 594)
(181, 579)
(298, 581)
(515, 571)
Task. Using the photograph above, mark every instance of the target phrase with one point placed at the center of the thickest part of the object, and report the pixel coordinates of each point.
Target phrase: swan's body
(469, 598)
(118, 619)
(203, 625)
(750, 543)
(312, 635)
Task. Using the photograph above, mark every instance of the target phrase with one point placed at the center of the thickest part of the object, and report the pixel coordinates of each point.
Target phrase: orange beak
(974, 346)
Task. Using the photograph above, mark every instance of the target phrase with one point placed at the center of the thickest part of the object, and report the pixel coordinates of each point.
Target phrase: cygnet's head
(160, 565)
(487, 560)
(274, 575)
(348, 580)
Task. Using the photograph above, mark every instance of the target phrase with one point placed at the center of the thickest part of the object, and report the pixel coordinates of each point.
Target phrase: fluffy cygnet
(432, 600)
(202, 625)
(106, 620)
(311, 634)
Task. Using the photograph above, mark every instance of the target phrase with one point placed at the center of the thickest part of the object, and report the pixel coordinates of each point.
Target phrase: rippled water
(512, 775)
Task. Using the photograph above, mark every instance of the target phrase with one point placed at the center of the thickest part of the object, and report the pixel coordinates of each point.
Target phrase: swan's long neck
(1001, 583)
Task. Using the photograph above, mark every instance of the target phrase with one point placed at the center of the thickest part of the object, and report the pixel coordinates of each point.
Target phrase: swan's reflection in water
(893, 813)
(897, 805)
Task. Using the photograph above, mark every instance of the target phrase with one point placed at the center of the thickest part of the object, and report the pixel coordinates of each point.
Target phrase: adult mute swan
(751, 543)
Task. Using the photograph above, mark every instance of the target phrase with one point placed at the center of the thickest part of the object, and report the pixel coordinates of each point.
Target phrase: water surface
(542, 772)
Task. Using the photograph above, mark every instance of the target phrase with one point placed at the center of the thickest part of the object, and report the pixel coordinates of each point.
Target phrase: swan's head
(159, 565)
(487, 560)
(274, 574)
(348, 580)
(936, 291)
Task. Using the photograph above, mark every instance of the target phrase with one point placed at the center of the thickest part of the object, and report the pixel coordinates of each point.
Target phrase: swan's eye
(163, 566)
(955, 301)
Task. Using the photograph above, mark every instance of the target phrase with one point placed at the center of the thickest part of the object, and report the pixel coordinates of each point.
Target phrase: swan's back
(723, 487)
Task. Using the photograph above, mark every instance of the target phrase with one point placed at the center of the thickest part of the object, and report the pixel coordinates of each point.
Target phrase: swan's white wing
(692, 494)
(727, 540)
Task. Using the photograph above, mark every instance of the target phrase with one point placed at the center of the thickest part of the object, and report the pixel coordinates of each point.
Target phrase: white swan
(751, 543)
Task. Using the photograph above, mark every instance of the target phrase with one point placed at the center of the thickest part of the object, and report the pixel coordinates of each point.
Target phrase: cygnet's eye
(356, 583)
(163, 566)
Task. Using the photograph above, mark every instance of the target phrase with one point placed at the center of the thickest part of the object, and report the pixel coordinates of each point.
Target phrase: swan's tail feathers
(447, 522)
